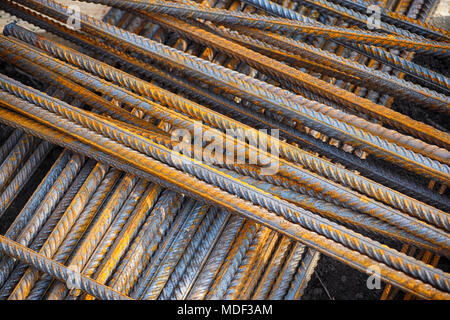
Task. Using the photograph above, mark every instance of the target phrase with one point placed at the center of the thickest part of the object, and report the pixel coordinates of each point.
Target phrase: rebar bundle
(214, 149)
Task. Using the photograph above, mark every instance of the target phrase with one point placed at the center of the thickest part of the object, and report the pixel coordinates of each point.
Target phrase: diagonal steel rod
(273, 67)
(374, 52)
(34, 128)
(377, 173)
(337, 172)
(401, 20)
(249, 85)
(255, 199)
(361, 19)
(57, 270)
(85, 119)
(372, 77)
(61, 230)
(23, 175)
(240, 277)
(277, 24)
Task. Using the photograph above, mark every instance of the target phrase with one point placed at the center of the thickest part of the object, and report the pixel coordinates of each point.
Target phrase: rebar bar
(272, 220)
(253, 89)
(221, 230)
(57, 270)
(292, 153)
(274, 24)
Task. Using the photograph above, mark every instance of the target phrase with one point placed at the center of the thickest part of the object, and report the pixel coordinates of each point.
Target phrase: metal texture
(298, 219)
(111, 229)
(362, 166)
(273, 24)
(346, 177)
(292, 105)
(115, 132)
(400, 20)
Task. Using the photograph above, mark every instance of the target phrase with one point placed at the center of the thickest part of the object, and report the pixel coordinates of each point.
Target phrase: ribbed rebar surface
(215, 149)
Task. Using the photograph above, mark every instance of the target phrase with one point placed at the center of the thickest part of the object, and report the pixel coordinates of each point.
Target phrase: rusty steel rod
(242, 194)
(221, 230)
(23, 175)
(61, 230)
(426, 215)
(361, 19)
(401, 20)
(122, 73)
(37, 240)
(44, 187)
(44, 210)
(363, 166)
(379, 54)
(275, 24)
(112, 131)
(144, 41)
(369, 126)
(227, 205)
(78, 230)
(57, 270)
(433, 100)
(196, 35)
(325, 59)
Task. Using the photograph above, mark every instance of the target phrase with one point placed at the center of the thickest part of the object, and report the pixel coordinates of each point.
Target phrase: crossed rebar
(224, 230)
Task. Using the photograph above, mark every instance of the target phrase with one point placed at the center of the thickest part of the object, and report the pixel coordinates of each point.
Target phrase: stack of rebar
(214, 149)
